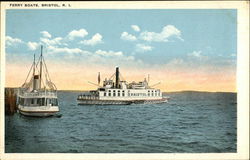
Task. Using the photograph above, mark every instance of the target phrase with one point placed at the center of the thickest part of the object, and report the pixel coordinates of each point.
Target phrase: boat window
(52, 101)
(123, 94)
(118, 93)
(21, 101)
(104, 93)
(32, 101)
(109, 94)
(102, 89)
(39, 101)
(114, 94)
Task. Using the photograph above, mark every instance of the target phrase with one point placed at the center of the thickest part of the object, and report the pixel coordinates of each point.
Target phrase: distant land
(192, 91)
(175, 92)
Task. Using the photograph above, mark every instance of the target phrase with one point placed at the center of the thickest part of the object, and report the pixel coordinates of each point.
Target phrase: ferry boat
(38, 95)
(121, 93)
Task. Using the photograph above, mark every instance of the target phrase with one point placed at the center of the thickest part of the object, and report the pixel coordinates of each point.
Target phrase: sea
(191, 122)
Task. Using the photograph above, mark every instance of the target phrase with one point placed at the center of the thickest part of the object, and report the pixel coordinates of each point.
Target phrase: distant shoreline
(184, 91)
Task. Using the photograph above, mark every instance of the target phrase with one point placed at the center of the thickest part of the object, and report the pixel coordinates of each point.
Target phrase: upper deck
(37, 94)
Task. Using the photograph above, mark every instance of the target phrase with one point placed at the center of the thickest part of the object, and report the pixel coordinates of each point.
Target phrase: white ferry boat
(38, 95)
(121, 92)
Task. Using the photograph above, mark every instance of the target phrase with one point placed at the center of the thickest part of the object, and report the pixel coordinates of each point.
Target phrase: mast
(34, 65)
(41, 66)
(148, 78)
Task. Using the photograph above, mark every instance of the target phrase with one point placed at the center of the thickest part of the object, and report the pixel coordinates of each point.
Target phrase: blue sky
(128, 38)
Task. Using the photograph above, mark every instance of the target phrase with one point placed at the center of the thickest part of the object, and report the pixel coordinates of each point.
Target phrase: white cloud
(195, 54)
(167, 32)
(46, 34)
(176, 61)
(143, 48)
(109, 53)
(32, 45)
(135, 28)
(52, 42)
(54, 50)
(128, 37)
(77, 33)
(96, 39)
(12, 41)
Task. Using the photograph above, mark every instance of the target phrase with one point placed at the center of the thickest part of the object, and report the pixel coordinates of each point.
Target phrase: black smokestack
(117, 77)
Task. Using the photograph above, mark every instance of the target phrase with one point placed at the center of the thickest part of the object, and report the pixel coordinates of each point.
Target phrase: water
(192, 122)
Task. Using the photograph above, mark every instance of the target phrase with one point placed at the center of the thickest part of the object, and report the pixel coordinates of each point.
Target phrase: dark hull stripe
(38, 111)
(117, 102)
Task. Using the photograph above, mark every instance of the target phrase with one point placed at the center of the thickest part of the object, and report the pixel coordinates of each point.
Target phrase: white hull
(119, 102)
(41, 111)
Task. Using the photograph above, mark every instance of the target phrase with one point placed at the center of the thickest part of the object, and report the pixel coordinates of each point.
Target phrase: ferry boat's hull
(119, 102)
(41, 111)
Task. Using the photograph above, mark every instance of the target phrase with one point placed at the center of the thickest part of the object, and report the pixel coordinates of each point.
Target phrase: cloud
(167, 32)
(12, 41)
(77, 33)
(195, 54)
(46, 34)
(54, 50)
(109, 53)
(143, 48)
(52, 42)
(96, 39)
(135, 28)
(128, 37)
(32, 45)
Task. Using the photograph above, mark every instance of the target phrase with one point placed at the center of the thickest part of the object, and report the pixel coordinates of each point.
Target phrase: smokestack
(36, 82)
(117, 77)
(99, 78)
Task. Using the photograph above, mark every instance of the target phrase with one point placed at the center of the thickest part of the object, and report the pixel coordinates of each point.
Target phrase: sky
(184, 49)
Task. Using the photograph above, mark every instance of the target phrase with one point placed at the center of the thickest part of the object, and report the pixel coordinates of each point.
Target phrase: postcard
(124, 80)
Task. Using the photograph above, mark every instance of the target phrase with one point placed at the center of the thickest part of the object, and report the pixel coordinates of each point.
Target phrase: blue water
(191, 122)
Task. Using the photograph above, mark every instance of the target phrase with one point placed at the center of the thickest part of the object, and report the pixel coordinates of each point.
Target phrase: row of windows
(115, 91)
(131, 94)
(152, 91)
(37, 101)
(114, 94)
(128, 91)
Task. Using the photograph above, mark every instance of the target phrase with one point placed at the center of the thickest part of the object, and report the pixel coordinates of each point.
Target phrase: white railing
(38, 94)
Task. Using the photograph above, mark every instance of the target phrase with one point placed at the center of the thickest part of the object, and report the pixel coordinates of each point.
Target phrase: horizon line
(162, 91)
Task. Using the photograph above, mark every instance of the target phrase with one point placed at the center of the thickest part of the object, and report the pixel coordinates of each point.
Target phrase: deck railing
(41, 93)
